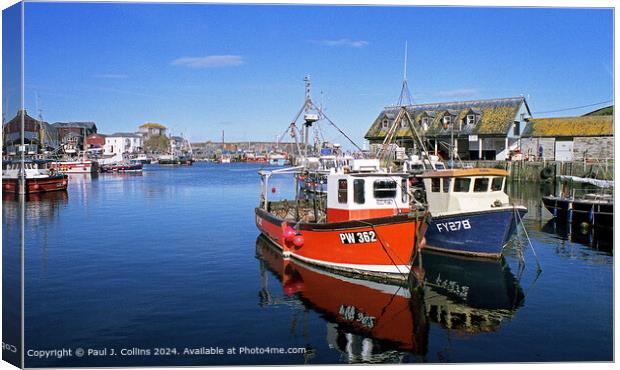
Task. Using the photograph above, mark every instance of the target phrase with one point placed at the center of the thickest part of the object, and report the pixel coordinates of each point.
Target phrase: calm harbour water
(170, 259)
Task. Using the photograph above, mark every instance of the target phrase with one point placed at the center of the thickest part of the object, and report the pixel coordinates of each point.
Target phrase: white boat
(79, 164)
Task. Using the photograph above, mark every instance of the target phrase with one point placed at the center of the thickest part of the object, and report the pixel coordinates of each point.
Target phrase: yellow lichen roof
(495, 117)
(572, 126)
(460, 172)
(152, 125)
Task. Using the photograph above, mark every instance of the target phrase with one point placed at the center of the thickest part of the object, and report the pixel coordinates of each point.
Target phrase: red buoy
(273, 190)
(288, 234)
(298, 241)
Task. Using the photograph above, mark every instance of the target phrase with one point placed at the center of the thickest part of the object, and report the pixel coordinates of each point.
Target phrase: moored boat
(186, 160)
(168, 159)
(362, 225)
(277, 159)
(586, 206)
(75, 166)
(142, 158)
(122, 167)
(470, 212)
(38, 177)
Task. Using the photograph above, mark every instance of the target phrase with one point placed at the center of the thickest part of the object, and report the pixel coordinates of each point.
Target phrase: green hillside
(607, 111)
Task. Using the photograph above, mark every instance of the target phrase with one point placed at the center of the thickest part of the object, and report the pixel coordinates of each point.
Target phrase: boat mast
(404, 100)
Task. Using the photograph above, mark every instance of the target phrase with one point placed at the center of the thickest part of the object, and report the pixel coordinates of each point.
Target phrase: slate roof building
(38, 135)
(482, 129)
(74, 132)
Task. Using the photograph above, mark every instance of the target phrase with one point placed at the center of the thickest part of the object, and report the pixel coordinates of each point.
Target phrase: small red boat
(361, 225)
(39, 178)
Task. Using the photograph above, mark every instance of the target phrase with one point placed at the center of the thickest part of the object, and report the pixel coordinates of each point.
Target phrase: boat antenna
(405, 96)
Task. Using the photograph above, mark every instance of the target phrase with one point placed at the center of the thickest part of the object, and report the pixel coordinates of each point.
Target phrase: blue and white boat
(470, 212)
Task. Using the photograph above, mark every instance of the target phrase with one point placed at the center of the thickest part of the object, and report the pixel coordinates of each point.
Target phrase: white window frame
(385, 123)
(447, 119)
(471, 119)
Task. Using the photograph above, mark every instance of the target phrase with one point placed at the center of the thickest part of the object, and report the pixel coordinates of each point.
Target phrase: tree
(157, 144)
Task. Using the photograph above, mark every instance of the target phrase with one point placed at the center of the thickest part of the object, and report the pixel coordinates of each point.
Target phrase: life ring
(418, 195)
(546, 172)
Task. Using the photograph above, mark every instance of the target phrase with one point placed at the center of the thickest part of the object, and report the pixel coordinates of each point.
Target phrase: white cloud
(342, 43)
(112, 76)
(457, 93)
(209, 61)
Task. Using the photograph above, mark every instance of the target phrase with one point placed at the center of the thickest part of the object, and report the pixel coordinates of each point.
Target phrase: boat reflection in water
(469, 295)
(368, 321)
(598, 238)
(36, 205)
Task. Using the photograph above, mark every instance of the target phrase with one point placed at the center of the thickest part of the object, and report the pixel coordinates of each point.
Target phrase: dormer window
(403, 124)
(384, 123)
(447, 120)
(470, 119)
(424, 123)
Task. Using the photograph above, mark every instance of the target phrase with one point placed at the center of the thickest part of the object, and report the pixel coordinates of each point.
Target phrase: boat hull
(37, 185)
(380, 247)
(75, 167)
(122, 168)
(482, 234)
(599, 213)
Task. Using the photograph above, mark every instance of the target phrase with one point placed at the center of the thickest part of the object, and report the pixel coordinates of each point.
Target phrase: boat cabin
(415, 165)
(359, 192)
(358, 196)
(455, 190)
(32, 169)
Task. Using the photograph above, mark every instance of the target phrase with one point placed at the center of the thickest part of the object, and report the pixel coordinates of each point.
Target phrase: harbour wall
(531, 170)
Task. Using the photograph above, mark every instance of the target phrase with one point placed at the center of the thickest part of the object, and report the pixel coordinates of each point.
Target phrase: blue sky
(201, 69)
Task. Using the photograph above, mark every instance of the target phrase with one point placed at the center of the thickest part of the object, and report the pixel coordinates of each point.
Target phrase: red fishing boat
(39, 178)
(362, 224)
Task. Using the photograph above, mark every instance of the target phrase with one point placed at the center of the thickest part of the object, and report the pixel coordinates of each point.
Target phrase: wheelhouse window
(384, 189)
(481, 185)
(461, 184)
(435, 185)
(342, 191)
(497, 184)
(359, 196)
(446, 184)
